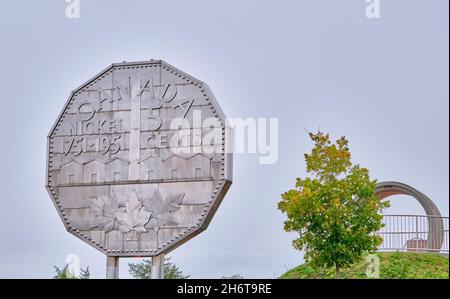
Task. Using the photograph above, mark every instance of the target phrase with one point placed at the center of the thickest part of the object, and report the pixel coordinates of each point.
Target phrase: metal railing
(415, 233)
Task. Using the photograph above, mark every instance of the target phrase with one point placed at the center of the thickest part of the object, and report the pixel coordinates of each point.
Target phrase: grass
(393, 265)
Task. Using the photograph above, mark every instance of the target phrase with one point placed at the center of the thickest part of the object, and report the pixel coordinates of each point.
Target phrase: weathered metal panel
(114, 172)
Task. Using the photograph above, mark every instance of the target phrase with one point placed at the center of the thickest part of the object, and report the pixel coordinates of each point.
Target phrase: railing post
(411, 233)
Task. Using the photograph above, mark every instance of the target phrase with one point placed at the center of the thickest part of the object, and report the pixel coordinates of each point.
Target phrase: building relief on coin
(136, 160)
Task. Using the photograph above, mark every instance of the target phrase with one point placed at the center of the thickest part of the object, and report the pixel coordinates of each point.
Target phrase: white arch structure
(435, 222)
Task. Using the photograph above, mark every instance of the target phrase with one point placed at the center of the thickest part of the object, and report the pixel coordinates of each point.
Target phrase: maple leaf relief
(160, 208)
(134, 217)
(104, 211)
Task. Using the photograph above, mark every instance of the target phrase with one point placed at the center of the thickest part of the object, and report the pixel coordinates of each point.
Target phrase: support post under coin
(158, 266)
(112, 267)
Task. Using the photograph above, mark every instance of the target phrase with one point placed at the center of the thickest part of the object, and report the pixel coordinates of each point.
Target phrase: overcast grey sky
(312, 63)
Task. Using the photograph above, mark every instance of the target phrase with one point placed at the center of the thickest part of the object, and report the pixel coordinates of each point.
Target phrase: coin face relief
(137, 161)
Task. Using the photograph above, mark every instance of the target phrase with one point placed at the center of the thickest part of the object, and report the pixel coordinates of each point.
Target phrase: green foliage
(334, 210)
(85, 274)
(65, 273)
(393, 265)
(142, 270)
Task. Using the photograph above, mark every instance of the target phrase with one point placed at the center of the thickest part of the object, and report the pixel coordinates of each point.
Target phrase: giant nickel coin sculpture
(137, 161)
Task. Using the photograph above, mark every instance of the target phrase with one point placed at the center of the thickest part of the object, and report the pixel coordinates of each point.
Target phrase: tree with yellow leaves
(334, 210)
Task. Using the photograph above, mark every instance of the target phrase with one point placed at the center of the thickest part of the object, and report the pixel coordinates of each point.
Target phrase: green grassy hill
(392, 265)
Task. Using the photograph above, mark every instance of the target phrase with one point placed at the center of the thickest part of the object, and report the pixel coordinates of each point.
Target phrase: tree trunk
(338, 268)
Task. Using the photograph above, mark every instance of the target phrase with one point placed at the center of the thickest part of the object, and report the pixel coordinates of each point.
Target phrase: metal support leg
(112, 267)
(158, 266)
